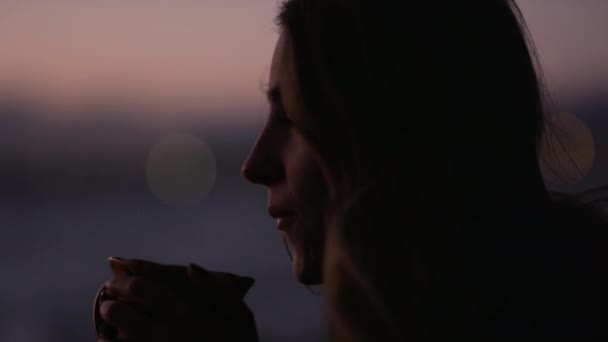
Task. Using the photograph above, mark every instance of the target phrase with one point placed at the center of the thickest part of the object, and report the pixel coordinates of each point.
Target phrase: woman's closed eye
(282, 117)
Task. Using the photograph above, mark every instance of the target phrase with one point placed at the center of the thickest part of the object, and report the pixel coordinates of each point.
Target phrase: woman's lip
(284, 222)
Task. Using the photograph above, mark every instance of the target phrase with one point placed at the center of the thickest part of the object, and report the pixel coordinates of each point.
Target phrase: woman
(407, 132)
(429, 116)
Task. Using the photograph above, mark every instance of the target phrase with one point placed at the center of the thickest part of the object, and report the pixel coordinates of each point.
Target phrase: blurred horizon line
(39, 105)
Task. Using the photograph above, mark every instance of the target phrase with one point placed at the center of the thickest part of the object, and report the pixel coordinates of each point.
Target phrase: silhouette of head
(437, 101)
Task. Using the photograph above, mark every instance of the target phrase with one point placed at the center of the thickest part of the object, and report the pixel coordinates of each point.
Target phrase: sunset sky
(215, 53)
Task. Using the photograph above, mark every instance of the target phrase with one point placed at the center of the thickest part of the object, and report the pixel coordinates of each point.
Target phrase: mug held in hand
(219, 293)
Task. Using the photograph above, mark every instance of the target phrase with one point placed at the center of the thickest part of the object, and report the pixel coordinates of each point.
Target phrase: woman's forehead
(279, 61)
(283, 73)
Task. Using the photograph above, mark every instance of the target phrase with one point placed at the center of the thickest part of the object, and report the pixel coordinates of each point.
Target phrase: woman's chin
(304, 272)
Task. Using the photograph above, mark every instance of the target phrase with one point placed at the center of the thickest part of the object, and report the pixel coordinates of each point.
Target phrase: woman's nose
(262, 165)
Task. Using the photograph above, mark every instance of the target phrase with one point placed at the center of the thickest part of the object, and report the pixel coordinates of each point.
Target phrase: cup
(191, 282)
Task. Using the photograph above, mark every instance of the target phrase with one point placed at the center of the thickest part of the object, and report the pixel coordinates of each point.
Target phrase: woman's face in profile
(283, 160)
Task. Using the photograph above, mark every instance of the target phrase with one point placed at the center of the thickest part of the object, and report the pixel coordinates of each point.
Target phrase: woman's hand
(144, 309)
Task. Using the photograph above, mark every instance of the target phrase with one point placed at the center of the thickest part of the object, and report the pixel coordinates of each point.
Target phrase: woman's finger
(149, 295)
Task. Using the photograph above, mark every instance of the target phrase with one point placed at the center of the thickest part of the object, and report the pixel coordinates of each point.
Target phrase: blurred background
(123, 126)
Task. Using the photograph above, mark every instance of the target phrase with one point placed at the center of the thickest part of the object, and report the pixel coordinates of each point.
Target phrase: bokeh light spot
(181, 169)
(567, 151)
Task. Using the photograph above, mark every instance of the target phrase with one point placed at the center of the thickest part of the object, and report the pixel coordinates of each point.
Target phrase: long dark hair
(428, 117)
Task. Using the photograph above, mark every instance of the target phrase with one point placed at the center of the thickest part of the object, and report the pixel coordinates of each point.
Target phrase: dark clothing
(551, 272)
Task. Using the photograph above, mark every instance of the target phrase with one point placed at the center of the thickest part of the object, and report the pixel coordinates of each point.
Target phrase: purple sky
(215, 52)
